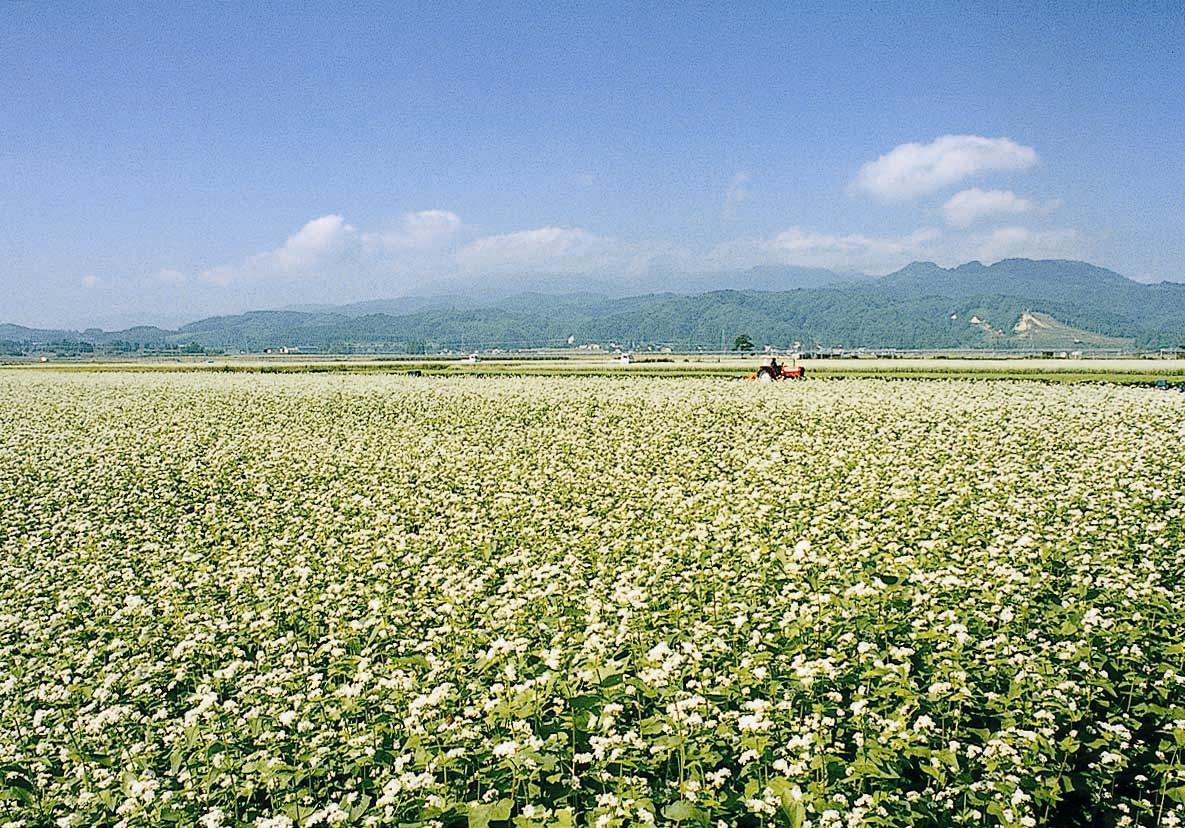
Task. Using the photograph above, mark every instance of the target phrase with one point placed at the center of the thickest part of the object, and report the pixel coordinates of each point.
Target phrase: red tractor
(772, 370)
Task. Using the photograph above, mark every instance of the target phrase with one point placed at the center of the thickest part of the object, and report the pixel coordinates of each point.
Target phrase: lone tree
(743, 343)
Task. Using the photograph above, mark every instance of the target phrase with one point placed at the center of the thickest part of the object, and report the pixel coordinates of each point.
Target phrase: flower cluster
(318, 600)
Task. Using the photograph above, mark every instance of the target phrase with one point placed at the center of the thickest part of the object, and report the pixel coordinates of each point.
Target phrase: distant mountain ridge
(1014, 303)
(1049, 280)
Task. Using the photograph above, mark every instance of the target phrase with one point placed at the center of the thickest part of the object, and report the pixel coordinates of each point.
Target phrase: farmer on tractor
(772, 370)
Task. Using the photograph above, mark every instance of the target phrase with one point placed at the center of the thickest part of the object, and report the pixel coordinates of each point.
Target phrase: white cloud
(222, 275)
(911, 170)
(852, 251)
(328, 257)
(969, 206)
(735, 195)
(310, 244)
(328, 245)
(558, 249)
(90, 280)
(1014, 242)
(421, 231)
(875, 254)
(319, 242)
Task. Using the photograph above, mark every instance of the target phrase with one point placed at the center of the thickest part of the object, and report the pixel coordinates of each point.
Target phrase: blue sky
(163, 163)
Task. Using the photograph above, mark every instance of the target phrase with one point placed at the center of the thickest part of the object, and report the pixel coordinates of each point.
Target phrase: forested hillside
(1013, 304)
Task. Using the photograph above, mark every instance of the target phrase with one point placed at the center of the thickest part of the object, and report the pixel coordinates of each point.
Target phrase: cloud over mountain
(970, 206)
(911, 170)
(558, 249)
(798, 246)
(327, 243)
(1012, 242)
(420, 231)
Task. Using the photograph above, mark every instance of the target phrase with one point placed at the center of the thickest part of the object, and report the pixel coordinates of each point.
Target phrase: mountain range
(1018, 304)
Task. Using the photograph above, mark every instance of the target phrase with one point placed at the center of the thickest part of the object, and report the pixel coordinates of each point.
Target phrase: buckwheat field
(303, 600)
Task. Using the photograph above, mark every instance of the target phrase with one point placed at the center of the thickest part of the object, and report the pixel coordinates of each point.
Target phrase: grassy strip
(574, 368)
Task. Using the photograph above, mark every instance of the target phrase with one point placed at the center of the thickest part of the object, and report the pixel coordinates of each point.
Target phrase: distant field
(269, 601)
(1122, 371)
